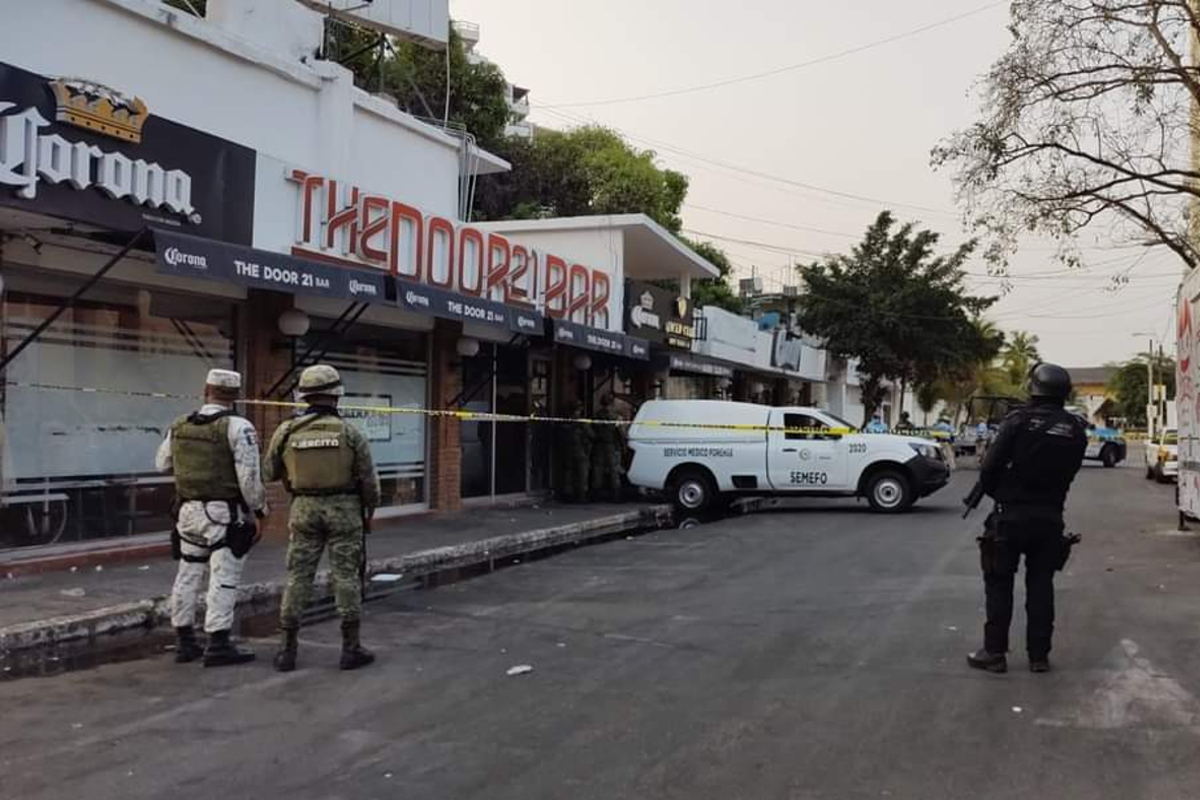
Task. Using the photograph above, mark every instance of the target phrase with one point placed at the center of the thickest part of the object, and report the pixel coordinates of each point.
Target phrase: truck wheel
(888, 491)
(693, 491)
(1108, 456)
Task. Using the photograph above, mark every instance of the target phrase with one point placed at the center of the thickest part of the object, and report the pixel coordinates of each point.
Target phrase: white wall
(199, 74)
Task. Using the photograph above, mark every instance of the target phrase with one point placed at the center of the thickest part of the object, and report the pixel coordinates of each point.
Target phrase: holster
(990, 546)
(240, 537)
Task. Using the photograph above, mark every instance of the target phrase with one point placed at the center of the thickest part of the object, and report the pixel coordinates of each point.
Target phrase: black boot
(1039, 664)
(285, 659)
(222, 653)
(354, 655)
(982, 659)
(187, 649)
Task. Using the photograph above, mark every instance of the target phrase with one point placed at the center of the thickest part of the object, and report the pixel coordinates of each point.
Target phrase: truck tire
(694, 491)
(889, 492)
(1108, 456)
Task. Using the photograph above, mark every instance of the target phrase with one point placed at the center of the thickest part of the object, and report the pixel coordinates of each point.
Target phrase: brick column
(264, 354)
(445, 448)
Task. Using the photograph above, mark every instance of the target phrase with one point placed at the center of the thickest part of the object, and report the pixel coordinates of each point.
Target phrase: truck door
(800, 457)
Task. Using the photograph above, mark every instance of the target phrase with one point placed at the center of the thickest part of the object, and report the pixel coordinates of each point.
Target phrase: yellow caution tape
(475, 416)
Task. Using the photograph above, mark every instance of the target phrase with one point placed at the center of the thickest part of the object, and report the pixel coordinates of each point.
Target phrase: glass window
(809, 423)
(87, 403)
(384, 368)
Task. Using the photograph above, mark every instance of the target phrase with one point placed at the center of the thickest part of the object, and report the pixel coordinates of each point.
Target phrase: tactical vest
(318, 457)
(203, 460)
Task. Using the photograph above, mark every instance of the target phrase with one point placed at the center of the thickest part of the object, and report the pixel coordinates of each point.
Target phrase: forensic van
(705, 452)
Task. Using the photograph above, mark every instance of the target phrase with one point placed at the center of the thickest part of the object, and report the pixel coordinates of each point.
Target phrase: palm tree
(1019, 354)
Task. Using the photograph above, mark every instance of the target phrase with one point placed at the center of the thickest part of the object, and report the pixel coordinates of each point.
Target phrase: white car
(702, 452)
(1162, 457)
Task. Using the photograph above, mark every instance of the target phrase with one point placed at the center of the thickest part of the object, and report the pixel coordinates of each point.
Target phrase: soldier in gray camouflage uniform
(326, 465)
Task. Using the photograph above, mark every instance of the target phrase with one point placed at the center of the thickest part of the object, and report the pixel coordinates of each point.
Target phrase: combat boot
(285, 659)
(992, 662)
(187, 649)
(222, 653)
(354, 655)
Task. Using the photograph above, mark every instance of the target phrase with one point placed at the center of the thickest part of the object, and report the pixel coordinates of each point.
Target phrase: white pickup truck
(702, 452)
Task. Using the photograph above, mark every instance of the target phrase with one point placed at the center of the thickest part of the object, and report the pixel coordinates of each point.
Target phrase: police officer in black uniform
(1028, 471)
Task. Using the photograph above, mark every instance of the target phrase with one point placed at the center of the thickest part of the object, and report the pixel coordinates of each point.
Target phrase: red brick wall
(445, 450)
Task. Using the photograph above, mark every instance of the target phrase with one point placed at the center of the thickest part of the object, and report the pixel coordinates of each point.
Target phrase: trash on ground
(74, 569)
(144, 568)
(76, 725)
(387, 577)
(951, 627)
(560, 644)
(99, 568)
(520, 669)
(75, 592)
(1017, 709)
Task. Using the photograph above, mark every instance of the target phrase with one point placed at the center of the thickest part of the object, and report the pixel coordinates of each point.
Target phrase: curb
(149, 613)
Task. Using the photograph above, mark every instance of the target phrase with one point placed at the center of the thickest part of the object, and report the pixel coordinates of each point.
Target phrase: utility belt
(240, 534)
(351, 492)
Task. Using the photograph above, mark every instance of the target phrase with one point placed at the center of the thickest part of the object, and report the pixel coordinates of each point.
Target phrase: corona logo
(98, 108)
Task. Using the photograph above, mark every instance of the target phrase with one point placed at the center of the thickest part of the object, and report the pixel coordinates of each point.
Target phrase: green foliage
(715, 291)
(416, 77)
(585, 171)
(898, 308)
(1129, 385)
(1019, 355)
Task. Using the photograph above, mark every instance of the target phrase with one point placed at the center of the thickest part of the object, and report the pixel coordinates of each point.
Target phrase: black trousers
(1040, 541)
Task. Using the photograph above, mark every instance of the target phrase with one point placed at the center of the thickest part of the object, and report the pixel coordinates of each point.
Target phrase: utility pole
(1150, 389)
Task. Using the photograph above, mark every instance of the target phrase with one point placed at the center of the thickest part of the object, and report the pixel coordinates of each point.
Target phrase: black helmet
(1049, 381)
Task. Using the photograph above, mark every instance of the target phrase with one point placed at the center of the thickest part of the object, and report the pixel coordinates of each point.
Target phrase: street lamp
(1150, 421)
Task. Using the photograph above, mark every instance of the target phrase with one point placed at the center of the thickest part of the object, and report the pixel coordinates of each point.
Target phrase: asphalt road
(814, 653)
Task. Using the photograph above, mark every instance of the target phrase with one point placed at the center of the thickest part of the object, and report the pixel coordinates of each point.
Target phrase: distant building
(518, 96)
(1091, 387)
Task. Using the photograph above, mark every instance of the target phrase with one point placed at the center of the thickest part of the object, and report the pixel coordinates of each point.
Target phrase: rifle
(972, 500)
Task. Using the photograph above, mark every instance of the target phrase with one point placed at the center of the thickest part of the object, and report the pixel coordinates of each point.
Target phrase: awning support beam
(73, 299)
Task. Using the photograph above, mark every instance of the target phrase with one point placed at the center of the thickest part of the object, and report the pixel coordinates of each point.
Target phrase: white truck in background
(703, 452)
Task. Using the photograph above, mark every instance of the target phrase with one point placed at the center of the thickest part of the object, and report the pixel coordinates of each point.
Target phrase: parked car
(1162, 457)
(703, 452)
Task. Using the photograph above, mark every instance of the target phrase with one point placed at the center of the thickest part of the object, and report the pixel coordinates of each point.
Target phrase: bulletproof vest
(1048, 452)
(203, 459)
(319, 458)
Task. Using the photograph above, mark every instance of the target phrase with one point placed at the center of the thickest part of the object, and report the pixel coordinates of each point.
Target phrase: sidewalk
(58, 607)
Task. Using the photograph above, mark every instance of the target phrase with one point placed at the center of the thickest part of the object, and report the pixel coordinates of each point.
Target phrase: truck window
(804, 421)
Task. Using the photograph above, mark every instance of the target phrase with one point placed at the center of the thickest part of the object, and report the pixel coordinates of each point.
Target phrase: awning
(464, 308)
(617, 344)
(697, 365)
(194, 257)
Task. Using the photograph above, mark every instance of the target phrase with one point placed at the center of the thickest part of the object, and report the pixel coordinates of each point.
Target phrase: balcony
(469, 31)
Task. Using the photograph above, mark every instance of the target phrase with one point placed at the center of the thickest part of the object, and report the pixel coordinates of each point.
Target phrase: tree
(1129, 385)
(1019, 354)
(902, 311)
(584, 171)
(416, 77)
(1086, 121)
(714, 291)
(956, 384)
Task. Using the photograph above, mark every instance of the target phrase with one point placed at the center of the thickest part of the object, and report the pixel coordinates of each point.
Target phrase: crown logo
(647, 301)
(99, 109)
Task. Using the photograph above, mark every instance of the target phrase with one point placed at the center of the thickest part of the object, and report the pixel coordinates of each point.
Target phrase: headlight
(927, 450)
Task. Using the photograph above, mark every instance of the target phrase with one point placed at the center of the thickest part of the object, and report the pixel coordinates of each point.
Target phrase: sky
(859, 124)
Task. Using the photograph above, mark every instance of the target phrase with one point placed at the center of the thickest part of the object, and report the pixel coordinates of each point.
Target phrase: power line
(781, 70)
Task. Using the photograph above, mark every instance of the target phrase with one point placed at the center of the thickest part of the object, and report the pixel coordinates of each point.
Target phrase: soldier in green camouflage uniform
(326, 465)
(576, 450)
(607, 448)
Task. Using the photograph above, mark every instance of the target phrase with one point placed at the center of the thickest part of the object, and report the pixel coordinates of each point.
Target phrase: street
(804, 653)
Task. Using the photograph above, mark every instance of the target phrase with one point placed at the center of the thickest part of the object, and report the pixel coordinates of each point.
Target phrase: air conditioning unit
(748, 287)
(791, 291)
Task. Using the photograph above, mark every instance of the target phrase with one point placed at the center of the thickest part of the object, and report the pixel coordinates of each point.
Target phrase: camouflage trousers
(316, 523)
(576, 469)
(606, 471)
